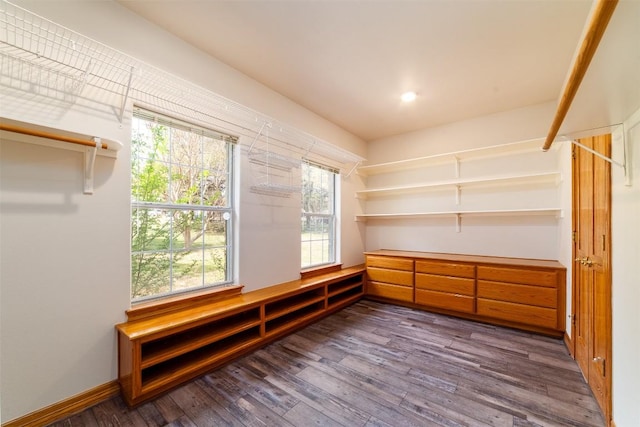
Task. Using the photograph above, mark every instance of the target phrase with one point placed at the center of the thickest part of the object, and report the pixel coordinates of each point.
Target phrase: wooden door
(592, 267)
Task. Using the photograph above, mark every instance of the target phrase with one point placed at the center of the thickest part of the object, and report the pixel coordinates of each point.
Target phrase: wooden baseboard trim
(67, 407)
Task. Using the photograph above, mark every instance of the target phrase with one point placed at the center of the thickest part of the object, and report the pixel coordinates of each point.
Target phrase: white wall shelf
(458, 184)
(522, 175)
(452, 157)
(557, 212)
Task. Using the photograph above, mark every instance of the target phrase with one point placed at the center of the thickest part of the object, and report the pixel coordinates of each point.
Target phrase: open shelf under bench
(157, 352)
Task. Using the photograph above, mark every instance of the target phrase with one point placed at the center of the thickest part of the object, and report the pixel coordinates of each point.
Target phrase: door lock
(585, 261)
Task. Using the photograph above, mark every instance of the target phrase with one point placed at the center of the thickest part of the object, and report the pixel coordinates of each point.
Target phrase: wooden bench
(160, 348)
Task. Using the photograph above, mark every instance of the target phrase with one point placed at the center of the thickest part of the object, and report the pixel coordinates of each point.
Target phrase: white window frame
(226, 212)
(331, 217)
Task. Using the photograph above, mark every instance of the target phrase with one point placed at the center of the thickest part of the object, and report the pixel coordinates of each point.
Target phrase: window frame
(171, 122)
(333, 217)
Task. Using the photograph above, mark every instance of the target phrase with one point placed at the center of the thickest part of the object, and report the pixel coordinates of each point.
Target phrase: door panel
(592, 284)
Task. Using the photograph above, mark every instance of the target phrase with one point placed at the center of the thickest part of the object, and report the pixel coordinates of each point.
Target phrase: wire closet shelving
(46, 59)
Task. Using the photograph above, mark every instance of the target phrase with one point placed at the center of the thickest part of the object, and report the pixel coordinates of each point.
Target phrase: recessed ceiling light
(408, 96)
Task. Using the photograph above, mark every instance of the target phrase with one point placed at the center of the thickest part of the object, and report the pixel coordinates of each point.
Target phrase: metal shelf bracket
(89, 165)
(625, 165)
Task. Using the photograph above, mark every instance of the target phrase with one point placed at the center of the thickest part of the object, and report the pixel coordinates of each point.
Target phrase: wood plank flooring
(375, 364)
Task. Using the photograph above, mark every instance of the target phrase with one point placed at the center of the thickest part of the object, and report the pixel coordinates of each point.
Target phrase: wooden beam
(599, 20)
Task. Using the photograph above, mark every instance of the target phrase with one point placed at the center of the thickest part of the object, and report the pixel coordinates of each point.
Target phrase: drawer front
(396, 277)
(446, 269)
(455, 285)
(454, 302)
(385, 290)
(520, 313)
(524, 294)
(514, 275)
(393, 263)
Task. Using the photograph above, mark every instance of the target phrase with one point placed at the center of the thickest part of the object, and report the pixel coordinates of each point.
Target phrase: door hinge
(604, 242)
(574, 235)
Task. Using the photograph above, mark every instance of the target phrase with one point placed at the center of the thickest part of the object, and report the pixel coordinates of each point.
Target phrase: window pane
(215, 266)
(150, 230)
(174, 249)
(151, 274)
(318, 215)
(317, 190)
(317, 243)
(214, 188)
(185, 185)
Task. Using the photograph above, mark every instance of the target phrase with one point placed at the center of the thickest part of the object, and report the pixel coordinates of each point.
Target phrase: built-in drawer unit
(390, 277)
(445, 285)
(521, 293)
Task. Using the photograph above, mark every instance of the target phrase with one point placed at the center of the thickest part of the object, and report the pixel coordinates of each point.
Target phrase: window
(181, 210)
(318, 215)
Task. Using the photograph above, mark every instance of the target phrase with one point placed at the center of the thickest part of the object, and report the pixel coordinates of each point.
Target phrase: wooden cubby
(157, 352)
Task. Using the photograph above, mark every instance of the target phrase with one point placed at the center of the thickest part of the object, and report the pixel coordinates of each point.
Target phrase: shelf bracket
(125, 98)
(458, 223)
(352, 169)
(624, 166)
(458, 194)
(255, 139)
(308, 150)
(457, 165)
(89, 164)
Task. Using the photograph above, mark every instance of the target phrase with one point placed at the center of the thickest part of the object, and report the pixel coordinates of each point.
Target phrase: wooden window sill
(317, 271)
(179, 302)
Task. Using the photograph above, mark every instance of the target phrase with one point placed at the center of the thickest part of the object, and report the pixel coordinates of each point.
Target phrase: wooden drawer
(524, 294)
(393, 263)
(520, 313)
(446, 269)
(385, 290)
(396, 277)
(455, 285)
(449, 301)
(516, 275)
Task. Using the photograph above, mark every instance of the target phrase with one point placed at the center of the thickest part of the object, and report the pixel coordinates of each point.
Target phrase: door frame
(608, 410)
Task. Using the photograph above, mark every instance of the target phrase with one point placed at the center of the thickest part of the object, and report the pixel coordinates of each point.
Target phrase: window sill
(317, 271)
(179, 302)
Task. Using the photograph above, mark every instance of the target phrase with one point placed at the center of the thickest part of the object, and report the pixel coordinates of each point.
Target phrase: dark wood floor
(374, 364)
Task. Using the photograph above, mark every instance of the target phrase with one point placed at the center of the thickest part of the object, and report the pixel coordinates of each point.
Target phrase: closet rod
(598, 24)
(49, 135)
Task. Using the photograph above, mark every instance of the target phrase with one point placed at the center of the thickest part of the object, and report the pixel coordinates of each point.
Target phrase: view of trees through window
(318, 215)
(181, 209)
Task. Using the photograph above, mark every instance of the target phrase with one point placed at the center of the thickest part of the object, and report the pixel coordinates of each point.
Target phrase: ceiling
(349, 61)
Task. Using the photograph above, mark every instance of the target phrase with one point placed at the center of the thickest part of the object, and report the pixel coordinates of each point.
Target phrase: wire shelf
(274, 160)
(278, 190)
(44, 58)
(27, 76)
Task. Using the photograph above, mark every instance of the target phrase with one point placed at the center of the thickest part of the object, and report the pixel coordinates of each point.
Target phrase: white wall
(64, 266)
(64, 269)
(516, 236)
(625, 228)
